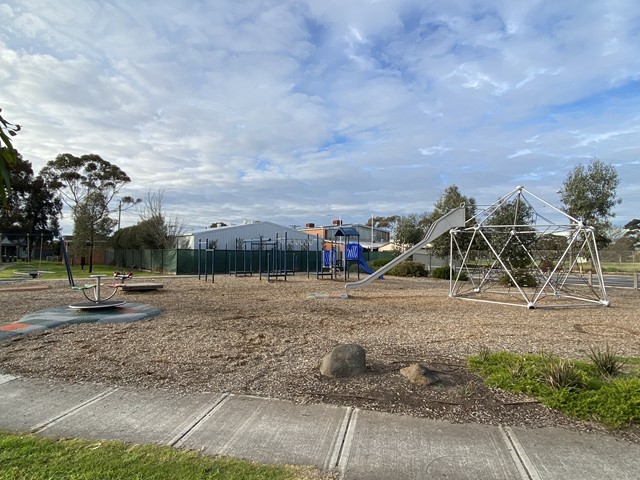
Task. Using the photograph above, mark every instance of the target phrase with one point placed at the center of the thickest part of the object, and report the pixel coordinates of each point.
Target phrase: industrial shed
(233, 237)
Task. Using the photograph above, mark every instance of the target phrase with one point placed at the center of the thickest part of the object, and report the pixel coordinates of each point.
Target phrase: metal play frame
(524, 251)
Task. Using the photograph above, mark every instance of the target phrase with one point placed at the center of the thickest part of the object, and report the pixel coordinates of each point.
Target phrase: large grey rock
(420, 375)
(345, 360)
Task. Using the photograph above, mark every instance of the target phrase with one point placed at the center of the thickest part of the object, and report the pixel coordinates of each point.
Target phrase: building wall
(226, 237)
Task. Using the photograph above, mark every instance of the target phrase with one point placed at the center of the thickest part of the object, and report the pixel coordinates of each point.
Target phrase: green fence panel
(192, 262)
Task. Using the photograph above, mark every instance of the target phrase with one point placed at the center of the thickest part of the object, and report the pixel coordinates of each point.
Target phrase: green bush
(444, 273)
(379, 263)
(408, 268)
(606, 361)
(523, 277)
(441, 272)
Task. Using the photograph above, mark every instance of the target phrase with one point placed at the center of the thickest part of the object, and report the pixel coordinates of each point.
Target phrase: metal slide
(452, 219)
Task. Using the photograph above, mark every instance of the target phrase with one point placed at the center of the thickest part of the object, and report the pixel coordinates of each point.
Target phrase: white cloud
(292, 111)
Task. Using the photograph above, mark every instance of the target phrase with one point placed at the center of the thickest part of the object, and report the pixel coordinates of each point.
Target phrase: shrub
(441, 272)
(379, 263)
(408, 268)
(561, 374)
(546, 265)
(606, 361)
(444, 273)
(523, 277)
(484, 354)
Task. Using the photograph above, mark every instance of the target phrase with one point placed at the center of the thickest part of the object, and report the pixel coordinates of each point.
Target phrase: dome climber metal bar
(521, 250)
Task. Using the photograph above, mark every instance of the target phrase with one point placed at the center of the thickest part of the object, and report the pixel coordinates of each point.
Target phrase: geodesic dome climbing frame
(523, 251)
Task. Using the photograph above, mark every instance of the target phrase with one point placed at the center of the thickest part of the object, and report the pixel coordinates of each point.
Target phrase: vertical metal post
(285, 256)
(213, 265)
(198, 258)
(260, 258)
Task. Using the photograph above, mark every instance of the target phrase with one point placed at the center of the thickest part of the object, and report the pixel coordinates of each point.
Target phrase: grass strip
(34, 458)
(57, 270)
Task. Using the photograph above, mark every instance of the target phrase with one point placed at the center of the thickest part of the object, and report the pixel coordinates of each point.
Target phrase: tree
(126, 203)
(632, 230)
(451, 198)
(92, 224)
(408, 230)
(384, 222)
(589, 195)
(513, 248)
(8, 156)
(87, 184)
(157, 228)
(31, 207)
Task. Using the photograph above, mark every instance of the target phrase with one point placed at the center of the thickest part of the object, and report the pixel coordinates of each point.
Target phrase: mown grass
(620, 267)
(576, 388)
(33, 458)
(57, 270)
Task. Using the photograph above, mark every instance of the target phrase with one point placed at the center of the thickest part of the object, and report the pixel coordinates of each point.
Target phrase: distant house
(370, 238)
(10, 249)
(243, 236)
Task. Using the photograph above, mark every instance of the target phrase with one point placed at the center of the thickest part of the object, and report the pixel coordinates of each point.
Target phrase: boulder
(420, 375)
(345, 360)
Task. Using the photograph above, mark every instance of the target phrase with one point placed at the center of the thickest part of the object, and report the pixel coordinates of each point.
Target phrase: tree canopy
(75, 177)
(589, 194)
(408, 230)
(518, 215)
(8, 156)
(450, 198)
(157, 229)
(31, 207)
(87, 184)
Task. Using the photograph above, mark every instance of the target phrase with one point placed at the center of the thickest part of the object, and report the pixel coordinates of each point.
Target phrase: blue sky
(306, 111)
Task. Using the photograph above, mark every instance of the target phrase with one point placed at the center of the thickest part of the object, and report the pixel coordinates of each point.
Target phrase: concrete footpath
(360, 445)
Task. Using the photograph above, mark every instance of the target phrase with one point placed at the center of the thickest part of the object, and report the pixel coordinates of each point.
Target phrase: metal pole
(285, 256)
(198, 257)
(260, 258)
(213, 265)
(206, 252)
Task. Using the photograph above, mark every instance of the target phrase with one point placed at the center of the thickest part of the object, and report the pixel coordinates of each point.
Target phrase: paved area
(358, 444)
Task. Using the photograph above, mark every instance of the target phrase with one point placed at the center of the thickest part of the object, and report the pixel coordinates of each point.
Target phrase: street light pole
(371, 232)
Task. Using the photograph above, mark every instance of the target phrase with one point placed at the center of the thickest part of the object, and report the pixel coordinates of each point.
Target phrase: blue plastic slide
(364, 266)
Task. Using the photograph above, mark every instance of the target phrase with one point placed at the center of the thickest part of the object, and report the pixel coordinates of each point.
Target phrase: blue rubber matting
(59, 316)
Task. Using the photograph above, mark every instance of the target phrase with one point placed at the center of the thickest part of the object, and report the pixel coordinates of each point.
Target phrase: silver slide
(452, 219)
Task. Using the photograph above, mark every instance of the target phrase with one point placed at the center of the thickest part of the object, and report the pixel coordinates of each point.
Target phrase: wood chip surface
(246, 336)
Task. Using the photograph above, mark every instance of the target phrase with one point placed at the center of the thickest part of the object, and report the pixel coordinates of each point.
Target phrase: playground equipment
(523, 251)
(203, 269)
(452, 219)
(353, 253)
(93, 292)
(29, 270)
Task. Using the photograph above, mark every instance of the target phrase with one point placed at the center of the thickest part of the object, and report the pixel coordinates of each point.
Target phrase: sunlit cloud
(295, 111)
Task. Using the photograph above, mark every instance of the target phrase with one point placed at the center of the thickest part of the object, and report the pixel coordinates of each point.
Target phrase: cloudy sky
(306, 111)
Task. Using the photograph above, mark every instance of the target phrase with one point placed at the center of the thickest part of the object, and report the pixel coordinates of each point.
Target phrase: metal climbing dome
(523, 251)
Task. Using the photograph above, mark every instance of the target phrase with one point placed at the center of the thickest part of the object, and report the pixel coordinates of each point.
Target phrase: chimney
(337, 222)
(310, 225)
